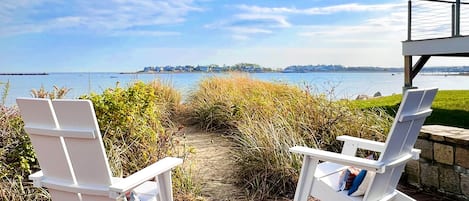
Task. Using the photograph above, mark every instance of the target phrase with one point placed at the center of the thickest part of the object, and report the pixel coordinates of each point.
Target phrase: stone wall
(444, 162)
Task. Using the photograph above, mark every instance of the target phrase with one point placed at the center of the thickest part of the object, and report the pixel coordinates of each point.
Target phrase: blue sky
(126, 35)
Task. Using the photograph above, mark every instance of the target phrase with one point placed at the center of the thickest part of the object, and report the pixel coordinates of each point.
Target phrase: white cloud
(352, 7)
(97, 16)
(248, 30)
(272, 19)
(243, 26)
(145, 33)
(387, 30)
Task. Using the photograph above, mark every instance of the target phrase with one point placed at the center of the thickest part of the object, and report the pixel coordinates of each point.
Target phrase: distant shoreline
(24, 73)
(446, 74)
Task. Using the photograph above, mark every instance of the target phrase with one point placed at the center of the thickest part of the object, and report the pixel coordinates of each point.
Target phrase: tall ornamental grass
(269, 118)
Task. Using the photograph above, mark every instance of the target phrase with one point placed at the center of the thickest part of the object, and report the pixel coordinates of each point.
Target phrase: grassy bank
(266, 119)
(450, 107)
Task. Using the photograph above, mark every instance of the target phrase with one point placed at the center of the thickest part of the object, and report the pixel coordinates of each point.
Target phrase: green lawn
(450, 107)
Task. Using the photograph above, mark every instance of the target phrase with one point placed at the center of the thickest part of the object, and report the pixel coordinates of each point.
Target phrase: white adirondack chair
(74, 167)
(321, 180)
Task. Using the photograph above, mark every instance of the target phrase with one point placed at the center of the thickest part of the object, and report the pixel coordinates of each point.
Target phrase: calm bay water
(345, 85)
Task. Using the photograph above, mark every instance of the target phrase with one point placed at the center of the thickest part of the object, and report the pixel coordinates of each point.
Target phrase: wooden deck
(452, 46)
(436, 24)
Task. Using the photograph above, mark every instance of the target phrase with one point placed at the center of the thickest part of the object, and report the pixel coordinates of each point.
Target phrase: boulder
(362, 97)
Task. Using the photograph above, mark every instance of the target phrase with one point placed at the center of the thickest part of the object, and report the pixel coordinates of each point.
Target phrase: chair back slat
(68, 144)
(415, 107)
(87, 155)
(50, 150)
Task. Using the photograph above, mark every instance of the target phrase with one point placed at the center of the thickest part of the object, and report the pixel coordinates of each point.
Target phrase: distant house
(188, 68)
(216, 69)
(168, 68)
(148, 69)
(202, 68)
(179, 68)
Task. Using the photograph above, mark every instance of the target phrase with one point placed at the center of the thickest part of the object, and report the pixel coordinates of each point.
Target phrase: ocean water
(339, 85)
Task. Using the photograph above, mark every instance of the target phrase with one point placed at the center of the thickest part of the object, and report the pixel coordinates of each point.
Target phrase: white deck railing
(432, 19)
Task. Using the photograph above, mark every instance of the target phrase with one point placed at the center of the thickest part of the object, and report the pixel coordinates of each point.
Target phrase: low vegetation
(266, 119)
(17, 157)
(137, 128)
(450, 107)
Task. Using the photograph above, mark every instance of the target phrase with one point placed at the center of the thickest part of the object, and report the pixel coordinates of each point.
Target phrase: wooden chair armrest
(363, 143)
(372, 145)
(362, 163)
(401, 160)
(143, 175)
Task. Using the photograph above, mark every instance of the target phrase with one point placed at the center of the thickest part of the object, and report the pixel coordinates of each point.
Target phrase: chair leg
(305, 181)
(165, 186)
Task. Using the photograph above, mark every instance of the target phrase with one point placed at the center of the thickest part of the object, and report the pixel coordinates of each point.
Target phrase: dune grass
(450, 107)
(266, 119)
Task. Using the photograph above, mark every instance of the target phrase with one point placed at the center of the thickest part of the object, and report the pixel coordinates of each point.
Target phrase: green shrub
(269, 118)
(137, 128)
(130, 123)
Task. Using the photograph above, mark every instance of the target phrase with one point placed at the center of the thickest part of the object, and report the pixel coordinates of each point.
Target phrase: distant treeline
(23, 74)
(255, 68)
(242, 67)
(340, 68)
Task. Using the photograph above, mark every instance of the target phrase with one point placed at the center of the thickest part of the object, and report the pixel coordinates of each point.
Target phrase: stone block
(412, 169)
(443, 153)
(429, 175)
(462, 157)
(465, 184)
(439, 138)
(424, 135)
(426, 147)
(449, 179)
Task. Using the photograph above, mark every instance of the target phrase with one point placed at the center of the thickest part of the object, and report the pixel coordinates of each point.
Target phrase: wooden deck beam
(410, 71)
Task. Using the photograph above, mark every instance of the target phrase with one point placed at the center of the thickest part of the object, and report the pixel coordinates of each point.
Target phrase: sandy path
(215, 169)
(213, 166)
